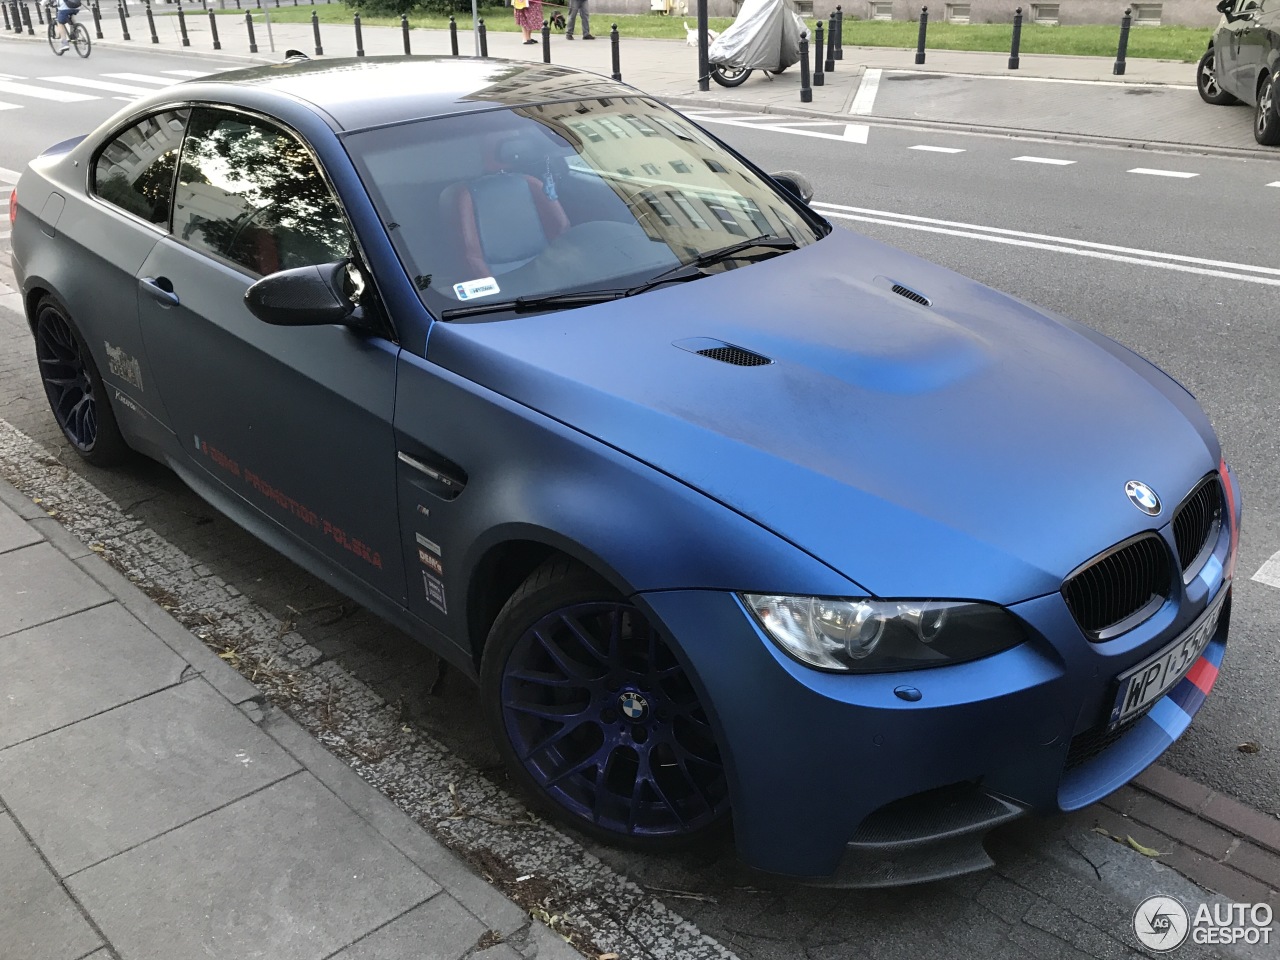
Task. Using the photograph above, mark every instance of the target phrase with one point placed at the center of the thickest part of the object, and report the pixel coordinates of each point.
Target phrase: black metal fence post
(1123, 49)
(26, 20)
(182, 26)
(248, 22)
(839, 33)
(40, 12)
(315, 32)
(16, 25)
(546, 42)
(213, 30)
(819, 78)
(404, 32)
(924, 26)
(1017, 39)
(124, 24)
(151, 24)
(806, 92)
(484, 37)
(830, 65)
(359, 35)
(8, 28)
(617, 55)
(453, 35)
(97, 19)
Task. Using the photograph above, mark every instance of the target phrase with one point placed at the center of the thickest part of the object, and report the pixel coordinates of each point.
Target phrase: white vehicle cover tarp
(764, 36)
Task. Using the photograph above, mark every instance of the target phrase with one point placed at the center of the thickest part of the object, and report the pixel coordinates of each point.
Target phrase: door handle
(159, 288)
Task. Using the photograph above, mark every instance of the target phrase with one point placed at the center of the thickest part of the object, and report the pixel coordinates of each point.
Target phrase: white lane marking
(187, 73)
(1092, 83)
(1048, 160)
(143, 78)
(10, 106)
(921, 146)
(1269, 572)
(44, 93)
(856, 132)
(104, 85)
(9, 176)
(1079, 248)
(125, 99)
(865, 98)
(853, 132)
(1275, 183)
(1152, 172)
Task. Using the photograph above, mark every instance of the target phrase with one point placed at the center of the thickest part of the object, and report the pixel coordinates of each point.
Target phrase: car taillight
(1224, 472)
(13, 206)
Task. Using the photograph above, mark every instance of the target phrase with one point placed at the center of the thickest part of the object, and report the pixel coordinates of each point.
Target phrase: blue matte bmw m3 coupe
(738, 518)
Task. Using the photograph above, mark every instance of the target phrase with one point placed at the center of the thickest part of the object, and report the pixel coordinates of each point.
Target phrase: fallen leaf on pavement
(1145, 851)
(1249, 746)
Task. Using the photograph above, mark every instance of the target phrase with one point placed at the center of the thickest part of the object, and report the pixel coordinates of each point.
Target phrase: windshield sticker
(471, 289)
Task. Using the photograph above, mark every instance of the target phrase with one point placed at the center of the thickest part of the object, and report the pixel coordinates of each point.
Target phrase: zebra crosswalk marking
(104, 85)
(143, 78)
(44, 93)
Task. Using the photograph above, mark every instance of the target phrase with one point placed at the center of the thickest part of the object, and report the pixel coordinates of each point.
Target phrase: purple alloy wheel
(66, 379)
(602, 716)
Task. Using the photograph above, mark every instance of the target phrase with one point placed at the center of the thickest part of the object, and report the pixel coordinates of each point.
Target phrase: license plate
(1150, 680)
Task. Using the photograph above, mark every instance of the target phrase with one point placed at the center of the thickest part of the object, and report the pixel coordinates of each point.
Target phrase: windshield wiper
(694, 268)
(530, 304)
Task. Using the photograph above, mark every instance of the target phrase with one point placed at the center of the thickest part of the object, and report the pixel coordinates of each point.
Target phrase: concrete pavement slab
(98, 787)
(94, 660)
(38, 921)
(38, 584)
(288, 873)
(15, 532)
(440, 929)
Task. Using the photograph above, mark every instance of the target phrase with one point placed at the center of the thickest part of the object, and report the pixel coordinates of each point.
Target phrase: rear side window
(135, 170)
(250, 193)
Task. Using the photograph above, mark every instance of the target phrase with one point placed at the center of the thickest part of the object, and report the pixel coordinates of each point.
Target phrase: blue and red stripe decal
(1173, 712)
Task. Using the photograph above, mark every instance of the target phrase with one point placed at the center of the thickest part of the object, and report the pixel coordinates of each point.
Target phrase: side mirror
(796, 184)
(1225, 5)
(305, 296)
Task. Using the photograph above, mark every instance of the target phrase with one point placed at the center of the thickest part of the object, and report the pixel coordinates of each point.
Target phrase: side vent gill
(724, 352)
(910, 294)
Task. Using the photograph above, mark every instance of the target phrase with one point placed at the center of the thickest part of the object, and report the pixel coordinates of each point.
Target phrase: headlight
(872, 636)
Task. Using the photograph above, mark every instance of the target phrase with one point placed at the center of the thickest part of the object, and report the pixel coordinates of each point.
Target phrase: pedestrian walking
(528, 17)
(578, 7)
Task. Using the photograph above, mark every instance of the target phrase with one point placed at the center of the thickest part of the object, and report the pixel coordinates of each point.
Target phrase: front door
(295, 421)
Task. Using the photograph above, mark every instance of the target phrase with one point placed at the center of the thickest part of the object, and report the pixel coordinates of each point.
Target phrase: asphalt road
(1211, 329)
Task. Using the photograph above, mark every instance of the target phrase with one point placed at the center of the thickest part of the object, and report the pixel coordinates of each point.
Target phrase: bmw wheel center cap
(1143, 497)
(634, 707)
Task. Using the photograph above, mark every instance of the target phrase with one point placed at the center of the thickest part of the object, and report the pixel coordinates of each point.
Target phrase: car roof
(362, 92)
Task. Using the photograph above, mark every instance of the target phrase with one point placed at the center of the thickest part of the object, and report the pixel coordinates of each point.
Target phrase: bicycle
(78, 32)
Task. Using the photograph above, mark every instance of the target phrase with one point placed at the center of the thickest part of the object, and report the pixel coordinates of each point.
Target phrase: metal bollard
(484, 37)
(404, 32)
(839, 33)
(182, 26)
(151, 22)
(26, 20)
(819, 78)
(617, 57)
(17, 21)
(40, 13)
(1017, 39)
(546, 42)
(359, 35)
(97, 19)
(315, 32)
(453, 35)
(8, 27)
(124, 24)
(924, 26)
(806, 92)
(1123, 49)
(248, 22)
(830, 65)
(213, 30)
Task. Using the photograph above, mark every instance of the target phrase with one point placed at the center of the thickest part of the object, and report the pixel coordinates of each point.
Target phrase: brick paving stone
(1217, 877)
(1262, 829)
(38, 921)
(1175, 822)
(1256, 862)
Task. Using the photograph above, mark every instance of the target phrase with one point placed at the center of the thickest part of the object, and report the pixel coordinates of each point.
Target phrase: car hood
(971, 448)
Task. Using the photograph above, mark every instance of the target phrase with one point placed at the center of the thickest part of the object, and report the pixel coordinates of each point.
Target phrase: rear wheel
(1266, 120)
(80, 39)
(1207, 81)
(596, 716)
(729, 76)
(74, 388)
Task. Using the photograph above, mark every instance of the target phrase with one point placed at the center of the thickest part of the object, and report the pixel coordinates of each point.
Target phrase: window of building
(135, 170)
(957, 13)
(1045, 13)
(679, 166)
(1147, 14)
(881, 11)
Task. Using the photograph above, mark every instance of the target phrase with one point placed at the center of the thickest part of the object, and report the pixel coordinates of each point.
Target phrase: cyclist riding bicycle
(67, 9)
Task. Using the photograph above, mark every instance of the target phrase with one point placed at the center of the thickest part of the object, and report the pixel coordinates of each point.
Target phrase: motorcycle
(764, 36)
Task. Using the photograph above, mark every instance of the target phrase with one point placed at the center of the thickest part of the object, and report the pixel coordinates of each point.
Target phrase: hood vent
(910, 294)
(724, 352)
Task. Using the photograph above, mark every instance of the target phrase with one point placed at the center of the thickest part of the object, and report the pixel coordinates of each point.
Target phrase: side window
(135, 170)
(250, 193)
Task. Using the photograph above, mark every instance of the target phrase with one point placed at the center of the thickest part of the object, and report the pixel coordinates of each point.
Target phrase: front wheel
(80, 39)
(596, 717)
(1207, 82)
(1266, 119)
(55, 39)
(728, 76)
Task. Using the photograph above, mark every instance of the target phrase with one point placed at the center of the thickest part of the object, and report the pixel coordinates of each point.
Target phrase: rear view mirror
(305, 296)
(796, 184)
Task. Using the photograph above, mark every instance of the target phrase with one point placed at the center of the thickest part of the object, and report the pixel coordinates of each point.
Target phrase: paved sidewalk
(152, 807)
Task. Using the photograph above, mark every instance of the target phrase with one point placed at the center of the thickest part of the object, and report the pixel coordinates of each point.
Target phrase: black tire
(593, 714)
(1207, 82)
(729, 76)
(74, 388)
(55, 41)
(80, 40)
(1266, 115)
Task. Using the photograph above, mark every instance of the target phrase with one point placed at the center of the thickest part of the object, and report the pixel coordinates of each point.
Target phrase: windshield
(593, 195)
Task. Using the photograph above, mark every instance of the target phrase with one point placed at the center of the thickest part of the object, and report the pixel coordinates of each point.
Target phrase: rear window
(135, 170)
